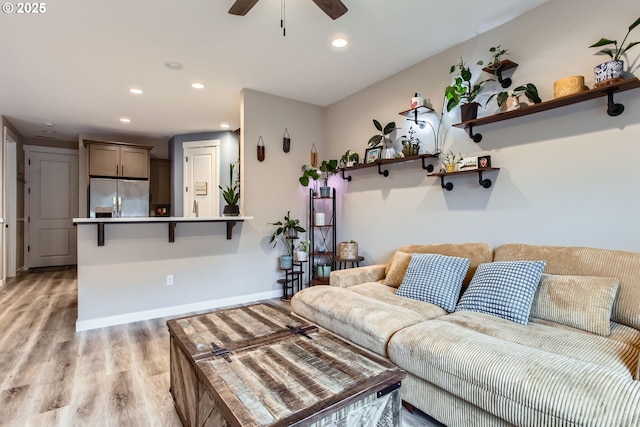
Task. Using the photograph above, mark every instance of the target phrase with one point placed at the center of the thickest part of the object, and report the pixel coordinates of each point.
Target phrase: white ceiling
(74, 64)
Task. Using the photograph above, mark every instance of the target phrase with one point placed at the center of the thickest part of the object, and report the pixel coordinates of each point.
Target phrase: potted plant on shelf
(326, 169)
(497, 52)
(302, 250)
(348, 249)
(286, 232)
(323, 271)
(231, 194)
(611, 71)
(451, 161)
(349, 158)
(463, 92)
(510, 100)
(382, 138)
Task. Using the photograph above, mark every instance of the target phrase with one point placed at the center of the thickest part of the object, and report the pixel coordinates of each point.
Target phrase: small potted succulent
(231, 194)
(510, 100)
(463, 92)
(611, 71)
(451, 161)
(286, 232)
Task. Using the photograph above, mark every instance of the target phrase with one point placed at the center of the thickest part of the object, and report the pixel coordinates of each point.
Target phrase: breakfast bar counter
(172, 221)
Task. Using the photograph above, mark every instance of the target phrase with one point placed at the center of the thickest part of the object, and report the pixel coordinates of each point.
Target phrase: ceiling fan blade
(241, 7)
(334, 8)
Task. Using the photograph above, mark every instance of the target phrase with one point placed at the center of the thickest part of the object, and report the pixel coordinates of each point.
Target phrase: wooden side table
(341, 263)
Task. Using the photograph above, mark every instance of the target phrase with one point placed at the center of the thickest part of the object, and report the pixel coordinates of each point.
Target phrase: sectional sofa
(525, 335)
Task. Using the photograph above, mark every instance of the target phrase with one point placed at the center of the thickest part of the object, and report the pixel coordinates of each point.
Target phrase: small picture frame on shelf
(484, 162)
(468, 163)
(372, 154)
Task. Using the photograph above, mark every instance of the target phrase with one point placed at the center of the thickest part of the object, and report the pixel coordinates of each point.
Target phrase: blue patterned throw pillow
(503, 289)
(434, 278)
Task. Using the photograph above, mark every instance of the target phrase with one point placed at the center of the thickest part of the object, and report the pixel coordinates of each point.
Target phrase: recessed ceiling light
(125, 119)
(135, 91)
(173, 65)
(224, 125)
(48, 124)
(197, 85)
(339, 41)
(48, 131)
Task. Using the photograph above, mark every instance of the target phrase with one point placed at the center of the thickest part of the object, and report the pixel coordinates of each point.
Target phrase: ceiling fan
(333, 8)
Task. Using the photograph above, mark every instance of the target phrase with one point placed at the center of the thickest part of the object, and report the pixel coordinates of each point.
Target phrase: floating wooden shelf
(486, 183)
(497, 69)
(380, 163)
(613, 109)
(414, 113)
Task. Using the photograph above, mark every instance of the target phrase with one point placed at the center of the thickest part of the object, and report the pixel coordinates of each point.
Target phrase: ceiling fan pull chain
(282, 18)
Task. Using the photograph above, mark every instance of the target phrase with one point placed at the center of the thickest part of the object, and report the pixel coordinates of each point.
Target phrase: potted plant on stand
(349, 159)
(302, 250)
(611, 71)
(326, 169)
(286, 232)
(231, 194)
(463, 92)
(510, 100)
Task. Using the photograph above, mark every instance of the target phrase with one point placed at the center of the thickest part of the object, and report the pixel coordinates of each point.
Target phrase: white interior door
(201, 164)
(52, 203)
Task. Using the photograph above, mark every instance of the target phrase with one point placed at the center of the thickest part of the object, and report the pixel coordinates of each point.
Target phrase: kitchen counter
(172, 221)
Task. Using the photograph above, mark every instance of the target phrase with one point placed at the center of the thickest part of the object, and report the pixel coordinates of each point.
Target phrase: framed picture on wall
(372, 154)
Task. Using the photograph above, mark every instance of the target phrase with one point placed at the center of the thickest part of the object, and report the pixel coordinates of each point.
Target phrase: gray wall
(229, 153)
(568, 176)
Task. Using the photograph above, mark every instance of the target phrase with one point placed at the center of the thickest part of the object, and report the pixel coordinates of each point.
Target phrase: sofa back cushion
(582, 302)
(477, 253)
(583, 261)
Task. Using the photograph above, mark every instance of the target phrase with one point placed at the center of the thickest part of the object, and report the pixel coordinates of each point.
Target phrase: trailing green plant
(376, 140)
(497, 52)
(529, 90)
(308, 174)
(232, 193)
(326, 169)
(461, 90)
(285, 228)
(616, 52)
(304, 246)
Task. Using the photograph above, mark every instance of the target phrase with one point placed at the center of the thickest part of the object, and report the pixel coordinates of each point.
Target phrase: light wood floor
(52, 376)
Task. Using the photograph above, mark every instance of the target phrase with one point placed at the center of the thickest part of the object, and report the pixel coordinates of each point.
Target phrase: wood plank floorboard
(109, 377)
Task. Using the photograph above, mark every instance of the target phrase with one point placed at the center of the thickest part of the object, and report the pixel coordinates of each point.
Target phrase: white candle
(319, 218)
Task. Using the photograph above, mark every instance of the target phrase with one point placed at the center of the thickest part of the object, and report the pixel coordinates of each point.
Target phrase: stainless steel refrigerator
(117, 198)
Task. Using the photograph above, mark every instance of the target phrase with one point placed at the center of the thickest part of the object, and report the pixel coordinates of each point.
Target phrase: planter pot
(469, 111)
(451, 167)
(292, 233)
(286, 262)
(510, 104)
(302, 255)
(608, 73)
(348, 250)
(231, 210)
(323, 272)
(325, 191)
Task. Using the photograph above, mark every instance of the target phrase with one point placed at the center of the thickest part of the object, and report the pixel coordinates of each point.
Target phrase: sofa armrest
(356, 276)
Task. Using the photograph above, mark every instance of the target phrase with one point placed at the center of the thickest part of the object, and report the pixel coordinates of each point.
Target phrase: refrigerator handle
(119, 207)
(195, 208)
(114, 207)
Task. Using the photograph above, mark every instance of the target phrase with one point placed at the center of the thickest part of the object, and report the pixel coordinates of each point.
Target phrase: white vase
(301, 255)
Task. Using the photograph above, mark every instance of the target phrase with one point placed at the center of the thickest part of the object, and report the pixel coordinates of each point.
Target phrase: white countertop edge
(160, 219)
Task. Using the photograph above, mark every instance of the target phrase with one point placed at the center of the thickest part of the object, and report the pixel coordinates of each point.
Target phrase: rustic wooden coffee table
(259, 366)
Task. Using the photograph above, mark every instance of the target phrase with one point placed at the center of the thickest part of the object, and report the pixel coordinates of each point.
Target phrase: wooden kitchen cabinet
(118, 160)
(160, 182)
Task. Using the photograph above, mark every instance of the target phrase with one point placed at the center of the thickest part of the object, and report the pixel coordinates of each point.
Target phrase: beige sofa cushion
(477, 253)
(581, 261)
(361, 320)
(397, 268)
(387, 294)
(355, 276)
(521, 383)
(583, 302)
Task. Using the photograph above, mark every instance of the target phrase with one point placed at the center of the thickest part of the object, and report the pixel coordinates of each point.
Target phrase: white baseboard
(103, 322)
